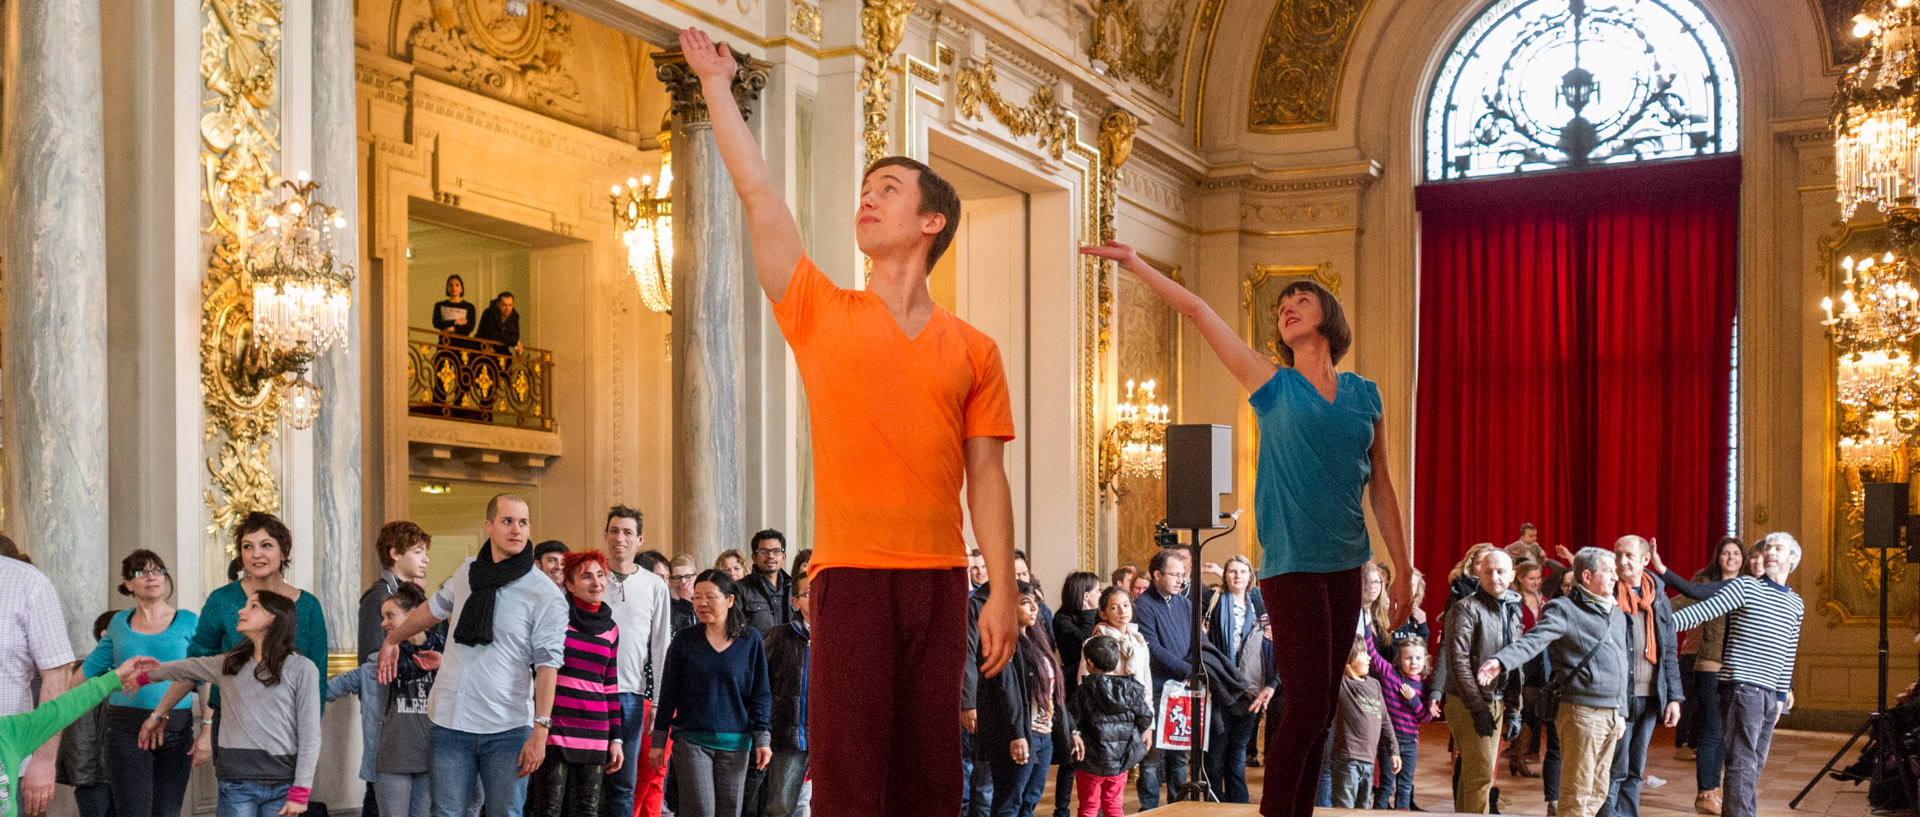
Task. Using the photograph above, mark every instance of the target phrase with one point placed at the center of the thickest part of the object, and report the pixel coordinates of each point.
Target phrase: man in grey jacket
(1478, 626)
(1654, 692)
(1585, 636)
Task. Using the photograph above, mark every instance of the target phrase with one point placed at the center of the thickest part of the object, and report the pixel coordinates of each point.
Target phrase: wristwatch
(543, 723)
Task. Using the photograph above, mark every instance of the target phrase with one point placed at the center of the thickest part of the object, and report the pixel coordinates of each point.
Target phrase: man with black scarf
(490, 714)
(766, 591)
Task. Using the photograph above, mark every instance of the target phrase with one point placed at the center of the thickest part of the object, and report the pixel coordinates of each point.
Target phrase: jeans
(785, 775)
(711, 781)
(1014, 783)
(1319, 610)
(979, 799)
(406, 795)
(146, 783)
(616, 793)
(463, 761)
(1227, 760)
(1747, 713)
(1396, 790)
(246, 798)
(1550, 763)
(93, 800)
(1630, 758)
(1707, 735)
(1352, 780)
(1161, 765)
(1323, 791)
(1687, 731)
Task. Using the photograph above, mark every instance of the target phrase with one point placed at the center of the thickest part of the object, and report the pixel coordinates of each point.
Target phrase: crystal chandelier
(1876, 112)
(1135, 445)
(302, 294)
(643, 218)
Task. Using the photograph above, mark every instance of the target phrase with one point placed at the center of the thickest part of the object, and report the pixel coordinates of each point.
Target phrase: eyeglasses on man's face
(769, 551)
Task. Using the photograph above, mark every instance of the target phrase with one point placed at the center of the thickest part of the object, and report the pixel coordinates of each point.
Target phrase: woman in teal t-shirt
(146, 782)
(1322, 450)
(264, 545)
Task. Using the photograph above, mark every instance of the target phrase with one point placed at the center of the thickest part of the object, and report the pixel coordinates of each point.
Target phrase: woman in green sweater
(264, 545)
(21, 734)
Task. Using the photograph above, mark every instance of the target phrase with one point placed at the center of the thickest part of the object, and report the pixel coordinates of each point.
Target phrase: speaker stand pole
(1197, 789)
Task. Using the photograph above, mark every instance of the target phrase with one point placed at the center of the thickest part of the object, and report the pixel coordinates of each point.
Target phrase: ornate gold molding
(689, 103)
(1296, 81)
(519, 60)
(239, 65)
(883, 24)
(1118, 38)
(1117, 129)
(1042, 116)
(806, 20)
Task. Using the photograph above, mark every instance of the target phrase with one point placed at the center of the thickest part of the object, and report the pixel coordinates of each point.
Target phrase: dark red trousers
(883, 691)
(1314, 616)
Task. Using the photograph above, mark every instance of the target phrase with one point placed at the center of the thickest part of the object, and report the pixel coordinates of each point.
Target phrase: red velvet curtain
(1574, 360)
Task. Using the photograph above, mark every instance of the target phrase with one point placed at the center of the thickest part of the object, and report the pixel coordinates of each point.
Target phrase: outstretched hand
(1488, 672)
(708, 61)
(1654, 564)
(1113, 250)
(132, 671)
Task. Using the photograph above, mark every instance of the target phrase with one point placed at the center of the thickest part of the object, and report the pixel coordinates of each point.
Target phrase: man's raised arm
(770, 225)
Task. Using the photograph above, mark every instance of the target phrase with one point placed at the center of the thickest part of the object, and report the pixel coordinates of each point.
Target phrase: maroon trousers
(883, 701)
(1314, 617)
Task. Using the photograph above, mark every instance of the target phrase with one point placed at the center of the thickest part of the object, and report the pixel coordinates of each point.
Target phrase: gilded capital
(1117, 128)
(689, 102)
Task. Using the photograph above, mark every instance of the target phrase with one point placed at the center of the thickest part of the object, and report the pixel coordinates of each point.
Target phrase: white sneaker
(1653, 782)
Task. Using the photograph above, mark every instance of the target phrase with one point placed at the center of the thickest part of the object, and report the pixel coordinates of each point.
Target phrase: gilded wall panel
(1146, 347)
(1296, 81)
(1850, 585)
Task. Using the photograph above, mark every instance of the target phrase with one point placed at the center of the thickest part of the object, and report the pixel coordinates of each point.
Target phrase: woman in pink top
(583, 746)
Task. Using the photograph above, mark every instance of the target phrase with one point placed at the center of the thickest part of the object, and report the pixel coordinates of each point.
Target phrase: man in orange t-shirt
(907, 404)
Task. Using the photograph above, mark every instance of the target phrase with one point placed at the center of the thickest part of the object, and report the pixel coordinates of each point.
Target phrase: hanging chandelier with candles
(1876, 112)
(1135, 445)
(302, 294)
(643, 220)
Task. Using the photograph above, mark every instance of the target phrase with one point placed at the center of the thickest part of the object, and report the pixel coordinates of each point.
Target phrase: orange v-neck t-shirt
(888, 415)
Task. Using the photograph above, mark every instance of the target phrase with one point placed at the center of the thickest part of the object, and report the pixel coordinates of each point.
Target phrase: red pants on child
(1099, 795)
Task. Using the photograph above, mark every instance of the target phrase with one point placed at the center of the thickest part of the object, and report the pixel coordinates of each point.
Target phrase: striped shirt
(586, 697)
(1763, 630)
(1406, 713)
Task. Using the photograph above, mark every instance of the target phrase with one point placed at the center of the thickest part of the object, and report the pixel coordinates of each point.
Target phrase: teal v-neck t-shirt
(1314, 465)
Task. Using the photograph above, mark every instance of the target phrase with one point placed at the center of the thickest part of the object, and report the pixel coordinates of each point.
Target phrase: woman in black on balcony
(455, 315)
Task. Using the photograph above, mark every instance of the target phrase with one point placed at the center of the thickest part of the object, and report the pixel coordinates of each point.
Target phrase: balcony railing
(477, 381)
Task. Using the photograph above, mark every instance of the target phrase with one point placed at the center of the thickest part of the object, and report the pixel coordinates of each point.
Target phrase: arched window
(1554, 84)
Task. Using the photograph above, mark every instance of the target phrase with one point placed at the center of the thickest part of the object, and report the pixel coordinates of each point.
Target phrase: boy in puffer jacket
(1115, 721)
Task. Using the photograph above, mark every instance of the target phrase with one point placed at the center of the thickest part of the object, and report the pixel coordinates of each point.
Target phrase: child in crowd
(1407, 709)
(584, 744)
(1361, 731)
(1116, 622)
(788, 647)
(398, 738)
(21, 734)
(267, 733)
(1115, 724)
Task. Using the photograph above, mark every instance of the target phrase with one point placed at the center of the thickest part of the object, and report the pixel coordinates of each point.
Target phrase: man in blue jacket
(1165, 616)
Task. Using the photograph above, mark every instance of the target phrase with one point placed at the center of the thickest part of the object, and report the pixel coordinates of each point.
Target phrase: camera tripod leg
(1822, 774)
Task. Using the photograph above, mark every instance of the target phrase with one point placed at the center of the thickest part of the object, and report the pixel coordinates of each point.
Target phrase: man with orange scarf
(1654, 691)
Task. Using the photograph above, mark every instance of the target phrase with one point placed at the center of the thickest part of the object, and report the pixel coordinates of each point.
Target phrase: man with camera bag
(1586, 639)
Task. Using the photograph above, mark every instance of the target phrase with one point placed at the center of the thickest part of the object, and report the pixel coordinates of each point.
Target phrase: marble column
(709, 320)
(336, 433)
(53, 415)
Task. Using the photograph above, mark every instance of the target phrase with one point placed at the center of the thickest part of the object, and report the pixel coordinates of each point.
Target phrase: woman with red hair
(584, 744)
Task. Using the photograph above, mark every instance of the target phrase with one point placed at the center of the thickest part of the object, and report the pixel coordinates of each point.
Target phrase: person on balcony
(456, 315)
(501, 325)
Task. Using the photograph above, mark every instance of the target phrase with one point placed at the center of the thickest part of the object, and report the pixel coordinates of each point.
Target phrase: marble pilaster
(336, 433)
(53, 416)
(709, 321)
